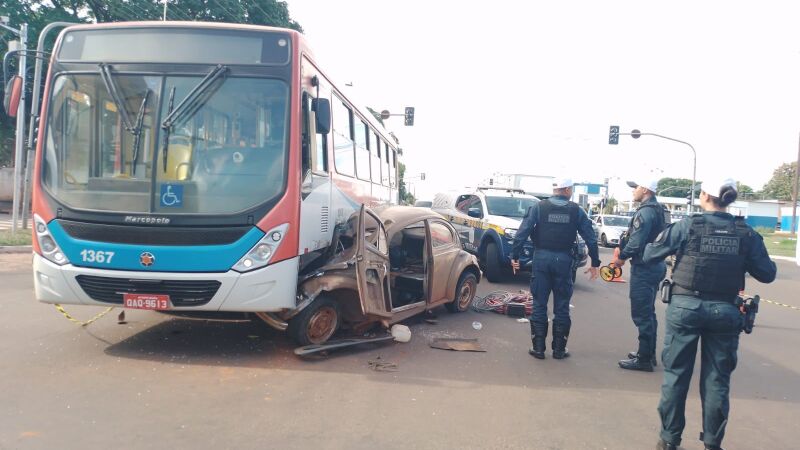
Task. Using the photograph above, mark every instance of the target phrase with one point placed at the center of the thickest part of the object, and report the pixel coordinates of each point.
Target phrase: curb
(16, 249)
(778, 258)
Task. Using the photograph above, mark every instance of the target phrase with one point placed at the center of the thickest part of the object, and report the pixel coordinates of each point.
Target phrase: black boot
(664, 445)
(637, 364)
(538, 336)
(712, 447)
(653, 359)
(560, 335)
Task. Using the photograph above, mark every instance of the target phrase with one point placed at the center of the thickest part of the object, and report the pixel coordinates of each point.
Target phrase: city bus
(195, 168)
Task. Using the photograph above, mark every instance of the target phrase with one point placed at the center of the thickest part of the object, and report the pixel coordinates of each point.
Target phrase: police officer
(714, 250)
(647, 222)
(553, 224)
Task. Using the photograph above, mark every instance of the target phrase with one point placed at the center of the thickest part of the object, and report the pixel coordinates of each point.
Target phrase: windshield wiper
(135, 128)
(113, 91)
(165, 146)
(193, 101)
(137, 132)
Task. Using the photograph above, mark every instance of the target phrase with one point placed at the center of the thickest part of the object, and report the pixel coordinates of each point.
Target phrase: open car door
(372, 261)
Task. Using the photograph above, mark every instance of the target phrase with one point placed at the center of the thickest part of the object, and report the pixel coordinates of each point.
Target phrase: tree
(38, 13)
(406, 198)
(780, 186)
(611, 206)
(676, 187)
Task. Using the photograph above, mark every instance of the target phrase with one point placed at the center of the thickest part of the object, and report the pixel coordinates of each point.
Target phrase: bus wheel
(493, 272)
(316, 323)
(465, 292)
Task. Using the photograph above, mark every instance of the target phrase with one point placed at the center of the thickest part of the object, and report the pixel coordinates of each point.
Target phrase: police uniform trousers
(552, 272)
(643, 289)
(716, 324)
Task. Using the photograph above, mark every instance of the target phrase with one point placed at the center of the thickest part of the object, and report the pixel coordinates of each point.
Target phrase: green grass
(23, 237)
(779, 245)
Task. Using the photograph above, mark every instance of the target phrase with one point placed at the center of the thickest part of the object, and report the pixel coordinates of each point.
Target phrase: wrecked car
(384, 266)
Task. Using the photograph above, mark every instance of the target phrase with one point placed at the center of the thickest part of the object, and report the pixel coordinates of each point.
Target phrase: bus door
(316, 229)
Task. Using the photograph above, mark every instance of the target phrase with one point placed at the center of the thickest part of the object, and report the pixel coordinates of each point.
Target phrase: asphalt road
(160, 382)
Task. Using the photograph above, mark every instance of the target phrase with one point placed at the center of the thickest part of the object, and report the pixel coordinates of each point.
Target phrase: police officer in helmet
(648, 221)
(553, 225)
(714, 251)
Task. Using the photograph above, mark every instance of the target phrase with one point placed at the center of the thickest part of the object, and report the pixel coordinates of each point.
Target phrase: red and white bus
(195, 167)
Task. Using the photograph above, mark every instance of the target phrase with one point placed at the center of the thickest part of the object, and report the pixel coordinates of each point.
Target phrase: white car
(610, 228)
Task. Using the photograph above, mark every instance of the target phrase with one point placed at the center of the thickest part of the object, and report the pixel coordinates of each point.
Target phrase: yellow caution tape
(83, 324)
(780, 304)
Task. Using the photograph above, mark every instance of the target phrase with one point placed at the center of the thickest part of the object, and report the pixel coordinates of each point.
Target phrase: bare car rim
(322, 325)
(465, 296)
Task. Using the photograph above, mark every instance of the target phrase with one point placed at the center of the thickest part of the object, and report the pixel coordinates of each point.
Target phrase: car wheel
(316, 323)
(493, 272)
(603, 240)
(465, 293)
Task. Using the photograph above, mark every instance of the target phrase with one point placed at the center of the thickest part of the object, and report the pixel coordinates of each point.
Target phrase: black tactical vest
(556, 226)
(663, 218)
(712, 260)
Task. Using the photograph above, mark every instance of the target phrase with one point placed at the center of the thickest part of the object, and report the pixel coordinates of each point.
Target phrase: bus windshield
(226, 155)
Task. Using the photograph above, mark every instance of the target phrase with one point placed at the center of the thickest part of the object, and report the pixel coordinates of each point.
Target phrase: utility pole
(164, 18)
(22, 33)
(794, 193)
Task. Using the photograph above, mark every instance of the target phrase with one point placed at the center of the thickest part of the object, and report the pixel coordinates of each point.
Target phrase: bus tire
(465, 293)
(493, 271)
(316, 323)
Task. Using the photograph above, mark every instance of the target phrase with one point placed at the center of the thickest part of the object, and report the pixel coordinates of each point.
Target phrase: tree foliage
(611, 206)
(780, 186)
(38, 13)
(406, 198)
(676, 187)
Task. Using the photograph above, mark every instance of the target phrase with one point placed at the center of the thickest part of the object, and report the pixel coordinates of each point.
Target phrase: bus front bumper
(270, 289)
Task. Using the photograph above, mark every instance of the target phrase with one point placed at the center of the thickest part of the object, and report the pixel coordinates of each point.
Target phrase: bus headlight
(47, 244)
(261, 253)
(510, 232)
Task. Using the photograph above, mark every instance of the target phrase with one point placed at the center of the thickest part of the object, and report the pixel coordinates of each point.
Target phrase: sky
(532, 87)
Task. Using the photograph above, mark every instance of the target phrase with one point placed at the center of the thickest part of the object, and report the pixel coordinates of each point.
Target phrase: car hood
(615, 230)
(503, 221)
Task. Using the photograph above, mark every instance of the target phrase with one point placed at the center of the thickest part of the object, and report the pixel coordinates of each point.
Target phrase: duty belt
(712, 296)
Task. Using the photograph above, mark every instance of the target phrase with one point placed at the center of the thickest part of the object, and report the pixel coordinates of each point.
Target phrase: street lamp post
(636, 134)
(22, 33)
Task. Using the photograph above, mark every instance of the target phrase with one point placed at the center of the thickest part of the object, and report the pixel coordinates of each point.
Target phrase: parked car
(487, 220)
(610, 228)
(384, 266)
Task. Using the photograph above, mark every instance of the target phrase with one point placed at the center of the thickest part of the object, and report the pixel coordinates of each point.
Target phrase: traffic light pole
(635, 134)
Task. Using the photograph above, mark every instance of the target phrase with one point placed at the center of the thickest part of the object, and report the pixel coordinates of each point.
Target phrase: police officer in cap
(648, 221)
(714, 250)
(553, 224)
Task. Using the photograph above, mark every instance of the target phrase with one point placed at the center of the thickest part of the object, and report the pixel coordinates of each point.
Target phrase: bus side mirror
(322, 109)
(13, 93)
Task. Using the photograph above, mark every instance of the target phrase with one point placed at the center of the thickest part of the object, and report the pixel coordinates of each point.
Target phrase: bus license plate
(146, 301)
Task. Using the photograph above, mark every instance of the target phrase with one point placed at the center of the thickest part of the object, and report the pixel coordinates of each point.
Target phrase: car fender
(464, 262)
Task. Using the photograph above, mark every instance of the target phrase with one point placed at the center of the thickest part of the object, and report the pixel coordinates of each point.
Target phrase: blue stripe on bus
(196, 258)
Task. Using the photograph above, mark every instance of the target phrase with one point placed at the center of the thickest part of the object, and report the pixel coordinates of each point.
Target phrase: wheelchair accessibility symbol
(171, 195)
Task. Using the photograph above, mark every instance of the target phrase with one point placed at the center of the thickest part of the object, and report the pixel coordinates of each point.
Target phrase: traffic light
(613, 135)
(409, 116)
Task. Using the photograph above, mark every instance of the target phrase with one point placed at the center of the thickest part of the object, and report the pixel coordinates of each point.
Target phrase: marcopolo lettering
(147, 220)
(720, 245)
(558, 218)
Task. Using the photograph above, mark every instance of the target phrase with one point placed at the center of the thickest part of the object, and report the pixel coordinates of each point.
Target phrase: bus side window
(393, 168)
(375, 158)
(305, 140)
(385, 179)
(343, 152)
(314, 145)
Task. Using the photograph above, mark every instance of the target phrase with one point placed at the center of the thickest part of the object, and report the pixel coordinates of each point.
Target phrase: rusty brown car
(385, 266)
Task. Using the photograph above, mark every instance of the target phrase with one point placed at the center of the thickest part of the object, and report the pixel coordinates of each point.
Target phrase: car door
(372, 265)
(444, 247)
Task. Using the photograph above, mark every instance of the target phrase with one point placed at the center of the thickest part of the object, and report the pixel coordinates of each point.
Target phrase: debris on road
(379, 365)
(341, 343)
(457, 344)
(477, 325)
(519, 304)
(401, 333)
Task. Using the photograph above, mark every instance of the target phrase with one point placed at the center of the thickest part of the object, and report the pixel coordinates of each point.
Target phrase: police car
(487, 221)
